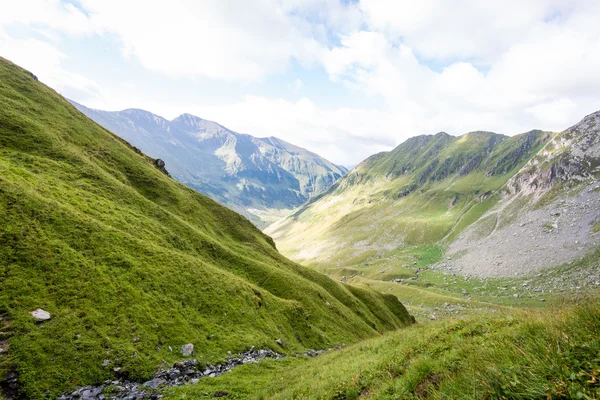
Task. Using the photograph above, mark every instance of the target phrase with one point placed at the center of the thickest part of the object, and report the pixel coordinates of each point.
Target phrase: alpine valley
(508, 219)
(129, 264)
(261, 178)
(448, 268)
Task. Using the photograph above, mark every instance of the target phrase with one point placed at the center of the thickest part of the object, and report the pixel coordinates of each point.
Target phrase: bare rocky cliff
(570, 157)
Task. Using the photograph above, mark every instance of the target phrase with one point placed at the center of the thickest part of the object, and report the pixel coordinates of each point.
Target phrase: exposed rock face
(547, 214)
(160, 164)
(510, 160)
(40, 315)
(572, 156)
(248, 174)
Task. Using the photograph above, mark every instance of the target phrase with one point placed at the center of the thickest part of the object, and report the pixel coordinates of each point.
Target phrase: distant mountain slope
(549, 212)
(254, 176)
(491, 205)
(411, 196)
(132, 265)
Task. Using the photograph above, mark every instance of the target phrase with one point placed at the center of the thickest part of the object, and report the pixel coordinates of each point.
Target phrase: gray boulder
(155, 383)
(40, 315)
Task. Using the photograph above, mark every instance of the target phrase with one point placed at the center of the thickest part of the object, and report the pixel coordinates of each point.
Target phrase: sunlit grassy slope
(390, 219)
(427, 189)
(132, 264)
(550, 354)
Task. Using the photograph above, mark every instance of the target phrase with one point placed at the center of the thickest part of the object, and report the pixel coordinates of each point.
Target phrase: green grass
(132, 264)
(549, 354)
(427, 292)
(471, 215)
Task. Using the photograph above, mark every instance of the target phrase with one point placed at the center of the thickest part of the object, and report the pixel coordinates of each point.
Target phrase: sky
(343, 78)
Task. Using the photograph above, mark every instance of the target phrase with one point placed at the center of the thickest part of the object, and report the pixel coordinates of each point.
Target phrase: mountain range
(262, 178)
(481, 204)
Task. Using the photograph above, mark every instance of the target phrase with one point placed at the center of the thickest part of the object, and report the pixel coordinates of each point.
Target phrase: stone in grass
(280, 342)
(155, 383)
(187, 349)
(40, 315)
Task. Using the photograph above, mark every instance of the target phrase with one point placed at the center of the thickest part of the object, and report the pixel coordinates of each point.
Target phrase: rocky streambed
(181, 373)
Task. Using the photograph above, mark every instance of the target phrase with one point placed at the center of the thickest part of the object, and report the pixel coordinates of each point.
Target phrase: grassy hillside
(427, 189)
(461, 225)
(550, 354)
(132, 264)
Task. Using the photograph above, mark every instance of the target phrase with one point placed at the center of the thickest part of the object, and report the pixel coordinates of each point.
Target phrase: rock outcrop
(572, 157)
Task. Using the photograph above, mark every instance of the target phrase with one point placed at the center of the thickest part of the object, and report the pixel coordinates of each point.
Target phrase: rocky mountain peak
(192, 124)
(570, 157)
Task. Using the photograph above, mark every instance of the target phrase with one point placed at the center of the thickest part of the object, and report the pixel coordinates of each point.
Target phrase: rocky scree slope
(548, 215)
(257, 177)
(131, 265)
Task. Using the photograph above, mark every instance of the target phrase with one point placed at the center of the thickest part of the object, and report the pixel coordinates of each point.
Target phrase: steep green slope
(428, 188)
(550, 354)
(132, 264)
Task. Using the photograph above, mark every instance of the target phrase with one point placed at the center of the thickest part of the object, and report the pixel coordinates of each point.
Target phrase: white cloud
(50, 18)
(456, 66)
(543, 77)
(461, 29)
(557, 112)
(46, 14)
(296, 85)
(232, 40)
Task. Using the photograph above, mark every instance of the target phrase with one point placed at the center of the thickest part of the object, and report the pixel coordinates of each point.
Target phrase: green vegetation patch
(520, 354)
(132, 265)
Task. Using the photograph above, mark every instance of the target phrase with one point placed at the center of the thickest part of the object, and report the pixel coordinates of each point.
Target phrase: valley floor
(533, 337)
(419, 278)
(537, 354)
